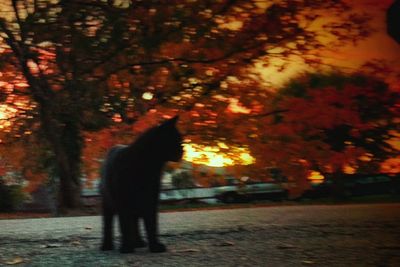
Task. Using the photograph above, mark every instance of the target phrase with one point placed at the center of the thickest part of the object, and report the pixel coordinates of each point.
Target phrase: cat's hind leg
(108, 215)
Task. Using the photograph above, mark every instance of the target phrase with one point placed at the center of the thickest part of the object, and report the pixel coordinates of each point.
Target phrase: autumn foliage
(331, 124)
(79, 76)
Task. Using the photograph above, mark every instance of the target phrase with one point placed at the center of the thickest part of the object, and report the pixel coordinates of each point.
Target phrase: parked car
(186, 194)
(250, 190)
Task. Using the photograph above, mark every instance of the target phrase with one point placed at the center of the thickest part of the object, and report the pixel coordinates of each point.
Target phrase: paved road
(343, 235)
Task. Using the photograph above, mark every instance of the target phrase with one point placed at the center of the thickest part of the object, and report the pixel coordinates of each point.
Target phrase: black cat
(130, 185)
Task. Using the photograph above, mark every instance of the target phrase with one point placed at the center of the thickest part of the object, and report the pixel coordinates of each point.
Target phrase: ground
(314, 235)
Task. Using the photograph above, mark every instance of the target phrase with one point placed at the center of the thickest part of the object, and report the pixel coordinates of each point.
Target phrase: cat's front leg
(138, 242)
(151, 224)
(126, 228)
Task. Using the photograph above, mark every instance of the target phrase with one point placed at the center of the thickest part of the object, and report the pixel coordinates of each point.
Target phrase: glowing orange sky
(377, 46)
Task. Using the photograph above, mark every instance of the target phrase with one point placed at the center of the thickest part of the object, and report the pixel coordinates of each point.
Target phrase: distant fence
(171, 195)
(91, 197)
(43, 202)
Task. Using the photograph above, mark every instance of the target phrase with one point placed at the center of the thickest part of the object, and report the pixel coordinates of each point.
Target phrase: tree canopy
(332, 123)
(72, 68)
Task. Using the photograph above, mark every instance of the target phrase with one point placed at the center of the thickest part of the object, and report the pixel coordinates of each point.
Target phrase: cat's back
(110, 160)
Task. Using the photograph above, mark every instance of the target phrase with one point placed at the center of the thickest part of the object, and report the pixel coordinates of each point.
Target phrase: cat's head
(171, 140)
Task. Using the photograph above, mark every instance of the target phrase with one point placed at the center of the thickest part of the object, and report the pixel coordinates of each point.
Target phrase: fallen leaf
(226, 244)
(308, 262)
(76, 243)
(51, 245)
(186, 250)
(285, 246)
(134, 263)
(16, 260)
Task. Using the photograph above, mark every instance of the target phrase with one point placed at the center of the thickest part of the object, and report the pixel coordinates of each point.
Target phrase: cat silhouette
(130, 186)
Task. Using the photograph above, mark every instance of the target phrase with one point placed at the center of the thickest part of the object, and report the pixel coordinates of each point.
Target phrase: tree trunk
(69, 191)
(68, 154)
(65, 139)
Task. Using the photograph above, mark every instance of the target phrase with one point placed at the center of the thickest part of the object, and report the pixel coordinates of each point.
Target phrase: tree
(332, 123)
(393, 20)
(84, 65)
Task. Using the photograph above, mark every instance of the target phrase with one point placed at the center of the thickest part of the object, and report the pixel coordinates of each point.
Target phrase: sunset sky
(378, 46)
(349, 58)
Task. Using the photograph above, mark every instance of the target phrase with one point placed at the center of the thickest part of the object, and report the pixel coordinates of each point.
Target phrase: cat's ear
(171, 122)
(174, 120)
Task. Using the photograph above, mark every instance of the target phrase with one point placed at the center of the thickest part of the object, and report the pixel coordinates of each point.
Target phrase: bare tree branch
(19, 21)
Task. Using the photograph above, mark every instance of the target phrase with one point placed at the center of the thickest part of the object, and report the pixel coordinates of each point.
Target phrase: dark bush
(11, 196)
